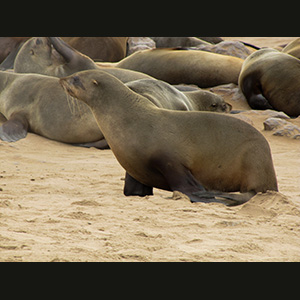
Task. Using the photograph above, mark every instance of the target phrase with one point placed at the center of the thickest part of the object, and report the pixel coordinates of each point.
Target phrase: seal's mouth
(64, 82)
(73, 82)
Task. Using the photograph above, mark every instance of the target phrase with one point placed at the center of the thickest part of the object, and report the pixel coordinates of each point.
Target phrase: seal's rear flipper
(14, 129)
(229, 199)
(179, 178)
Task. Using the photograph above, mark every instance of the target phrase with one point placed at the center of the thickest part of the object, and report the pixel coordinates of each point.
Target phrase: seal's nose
(77, 82)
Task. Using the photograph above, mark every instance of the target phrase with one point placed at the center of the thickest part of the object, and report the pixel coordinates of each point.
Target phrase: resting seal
(54, 57)
(101, 47)
(201, 154)
(175, 66)
(37, 103)
(270, 79)
(164, 95)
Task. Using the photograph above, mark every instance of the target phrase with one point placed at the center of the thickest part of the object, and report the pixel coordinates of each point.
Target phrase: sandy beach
(61, 203)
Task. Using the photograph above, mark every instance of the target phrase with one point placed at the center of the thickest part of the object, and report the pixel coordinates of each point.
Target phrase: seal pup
(270, 79)
(54, 57)
(177, 66)
(204, 155)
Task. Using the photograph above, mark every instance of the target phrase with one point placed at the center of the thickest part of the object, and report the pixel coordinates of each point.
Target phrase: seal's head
(86, 84)
(208, 101)
(51, 56)
(36, 54)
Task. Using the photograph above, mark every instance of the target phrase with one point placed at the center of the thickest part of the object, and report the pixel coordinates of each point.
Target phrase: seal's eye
(214, 105)
(95, 82)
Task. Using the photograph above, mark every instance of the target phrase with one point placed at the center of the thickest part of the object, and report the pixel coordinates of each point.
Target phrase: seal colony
(159, 133)
(206, 156)
(37, 103)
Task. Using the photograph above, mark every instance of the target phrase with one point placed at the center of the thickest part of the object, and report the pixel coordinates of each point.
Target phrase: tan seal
(38, 103)
(175, 66)
(204, 155)
(269, 80)
(54, 57)
(164, 95)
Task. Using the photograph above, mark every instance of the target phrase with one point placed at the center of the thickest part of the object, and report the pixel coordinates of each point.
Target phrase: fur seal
(171, 41)
(204, 155)
(164, 95)
(175, 66)
(9, 44)
(37, 103)
(54, 57)
(100, 48)
(270, 79)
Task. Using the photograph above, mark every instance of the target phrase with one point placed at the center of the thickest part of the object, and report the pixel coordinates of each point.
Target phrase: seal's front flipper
(135, 188)
(14, 129)
(102, 145)
(259, 102)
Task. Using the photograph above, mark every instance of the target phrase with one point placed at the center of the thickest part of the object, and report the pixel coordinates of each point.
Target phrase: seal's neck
(5, 79)
(118, 107)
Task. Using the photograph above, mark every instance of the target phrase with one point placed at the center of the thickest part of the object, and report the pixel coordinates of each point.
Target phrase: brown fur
(38, 56)
(182, 66)
(7, 44)
(272, 77)
(101, 47)
(172, 150)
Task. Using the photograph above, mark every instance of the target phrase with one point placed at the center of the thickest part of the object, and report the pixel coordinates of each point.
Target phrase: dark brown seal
(269, 80)
(101, 48)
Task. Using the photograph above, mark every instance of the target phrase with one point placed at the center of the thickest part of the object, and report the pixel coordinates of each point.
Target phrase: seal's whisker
(73, 103)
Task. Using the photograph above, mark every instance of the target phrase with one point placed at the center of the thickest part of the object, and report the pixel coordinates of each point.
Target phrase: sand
(63, 203)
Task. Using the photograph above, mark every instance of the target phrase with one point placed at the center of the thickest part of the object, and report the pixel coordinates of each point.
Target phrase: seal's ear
(228, 107)
(95, 82)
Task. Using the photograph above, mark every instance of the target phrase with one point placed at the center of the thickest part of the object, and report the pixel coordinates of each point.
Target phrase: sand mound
(269, 204)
